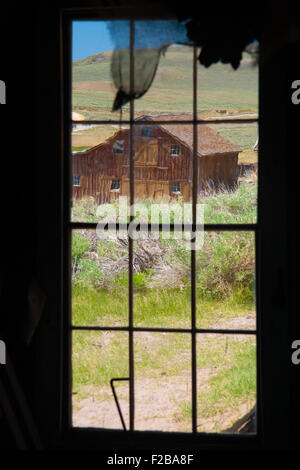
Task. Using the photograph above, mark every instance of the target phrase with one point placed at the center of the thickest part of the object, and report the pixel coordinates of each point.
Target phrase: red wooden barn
(162, 163)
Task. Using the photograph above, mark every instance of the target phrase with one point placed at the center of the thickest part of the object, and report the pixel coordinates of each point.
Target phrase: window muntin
(131, 328)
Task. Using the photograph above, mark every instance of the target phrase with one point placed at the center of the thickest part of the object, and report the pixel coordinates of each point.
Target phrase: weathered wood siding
(154, 167)
(217, 171)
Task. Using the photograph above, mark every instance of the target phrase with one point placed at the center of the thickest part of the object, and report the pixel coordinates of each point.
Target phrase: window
(76, 180)
(115, 185)
(175, 187)
(175, 149)
(186, 336)
(118, 146)
(147, 131)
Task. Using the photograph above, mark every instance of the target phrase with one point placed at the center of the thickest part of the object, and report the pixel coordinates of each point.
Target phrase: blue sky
(90, 37)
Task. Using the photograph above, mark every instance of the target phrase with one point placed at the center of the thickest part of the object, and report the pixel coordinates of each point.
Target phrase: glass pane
(98, 357)
(228, 172)
(157, 54)
(99, 279)
(171, 91)
(162, 381)
(226, 383)
(227, 93)
(225, 281)
(93, 91)
(161, 280)
(99, 171)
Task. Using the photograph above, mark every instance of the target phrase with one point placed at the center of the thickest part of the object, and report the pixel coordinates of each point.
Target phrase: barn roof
(209, 141)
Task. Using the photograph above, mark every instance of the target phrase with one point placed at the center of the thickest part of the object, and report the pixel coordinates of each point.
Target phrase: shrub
(139, 279)
(88, 270)
(79, 247)
(225, 263)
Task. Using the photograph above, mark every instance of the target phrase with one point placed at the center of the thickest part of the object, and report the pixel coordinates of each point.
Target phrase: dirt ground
(157, 400)
(77, 116)
(94, 86)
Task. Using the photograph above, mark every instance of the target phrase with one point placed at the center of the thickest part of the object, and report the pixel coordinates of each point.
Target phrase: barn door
(146, 152)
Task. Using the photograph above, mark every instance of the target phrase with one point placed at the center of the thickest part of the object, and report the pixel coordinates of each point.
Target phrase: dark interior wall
(32, 218)
(18, 212)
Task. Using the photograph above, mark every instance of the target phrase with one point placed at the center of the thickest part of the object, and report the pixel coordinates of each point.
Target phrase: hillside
(221, 89)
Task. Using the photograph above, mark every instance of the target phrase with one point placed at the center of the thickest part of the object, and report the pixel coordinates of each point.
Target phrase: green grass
(97, 358)
(79, 149)
(231, 383)
(243, 135)
(154, 307)
(237, 207)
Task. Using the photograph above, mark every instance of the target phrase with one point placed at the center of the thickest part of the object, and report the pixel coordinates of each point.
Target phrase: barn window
(175, 187)
(118, 326)
(115, 185)
(147, 131)
(76, 180)
(118, 146)
(175, 149)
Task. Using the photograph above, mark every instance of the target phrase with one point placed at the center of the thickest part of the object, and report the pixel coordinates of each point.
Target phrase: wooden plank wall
(218, 171)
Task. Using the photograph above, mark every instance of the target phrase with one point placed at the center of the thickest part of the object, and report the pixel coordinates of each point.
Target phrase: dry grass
(248, 156)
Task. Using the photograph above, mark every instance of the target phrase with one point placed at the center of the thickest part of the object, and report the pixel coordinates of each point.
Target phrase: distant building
(163, 162)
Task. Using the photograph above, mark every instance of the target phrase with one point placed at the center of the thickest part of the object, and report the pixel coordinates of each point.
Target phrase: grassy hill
(220, 87)
(222, 92)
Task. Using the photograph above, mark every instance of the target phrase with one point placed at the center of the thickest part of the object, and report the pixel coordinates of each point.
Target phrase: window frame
(214, 227)
(176, 184)
(175, 154)
(146, 131)
(114, 148)
(74, 183)
(266, 432)
(112, 184)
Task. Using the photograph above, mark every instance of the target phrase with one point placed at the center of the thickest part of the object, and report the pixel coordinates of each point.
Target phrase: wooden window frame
(175, 154)
(115, 189)
(269, 278)
(172, 190)
(121, 150)
(146, 131)
(131, 329)
(77, 184)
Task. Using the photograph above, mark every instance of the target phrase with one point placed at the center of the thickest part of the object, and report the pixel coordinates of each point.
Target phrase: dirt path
(158, 401)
